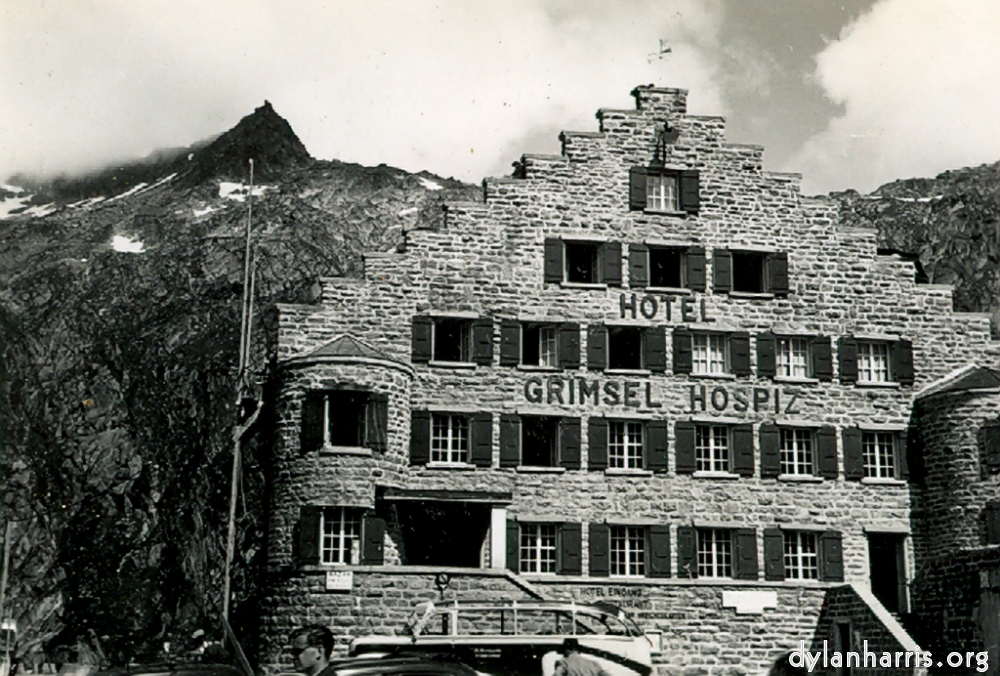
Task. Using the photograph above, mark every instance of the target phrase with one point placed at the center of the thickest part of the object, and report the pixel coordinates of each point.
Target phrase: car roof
(192, 669)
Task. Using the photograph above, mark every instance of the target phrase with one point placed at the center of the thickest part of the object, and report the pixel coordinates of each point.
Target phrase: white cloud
(917, 82)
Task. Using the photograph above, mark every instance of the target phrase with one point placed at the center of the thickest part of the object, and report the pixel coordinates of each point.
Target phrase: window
(797, 451)
(344, 418)
(628, 551)
(459, 340)
(801, 555)
(715, 552)
(452, 339)
(583, 262)
(873, 362)
(341, 531)
(793, 358)
(627, 347)
(657, 188)
(624, 347)
(539, 344)
(539, 441)
(537, 548)
(449, 438)
(666, 267)
(625, 442)
(750, 271)
(879, 449)
(711, 448)
(709, 353)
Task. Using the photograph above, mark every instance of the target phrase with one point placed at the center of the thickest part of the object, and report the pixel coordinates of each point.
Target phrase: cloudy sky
(851, 93)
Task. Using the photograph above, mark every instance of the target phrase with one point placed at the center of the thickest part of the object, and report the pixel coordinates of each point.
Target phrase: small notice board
(339, 580)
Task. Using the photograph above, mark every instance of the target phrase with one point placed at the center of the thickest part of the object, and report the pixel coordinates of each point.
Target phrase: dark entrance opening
(887, 568)
(437, 533)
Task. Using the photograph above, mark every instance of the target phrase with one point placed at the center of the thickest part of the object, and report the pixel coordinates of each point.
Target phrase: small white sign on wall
(339, 580)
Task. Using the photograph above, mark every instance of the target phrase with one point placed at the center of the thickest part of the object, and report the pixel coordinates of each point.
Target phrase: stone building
(646, 371)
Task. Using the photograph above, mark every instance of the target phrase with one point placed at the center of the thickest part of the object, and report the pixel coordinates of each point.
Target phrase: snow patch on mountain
(126, 244)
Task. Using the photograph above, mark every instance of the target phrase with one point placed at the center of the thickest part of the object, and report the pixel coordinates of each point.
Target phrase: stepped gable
(263, 136)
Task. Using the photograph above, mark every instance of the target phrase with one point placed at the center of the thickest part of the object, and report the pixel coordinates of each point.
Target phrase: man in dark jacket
(311, 649)
(575, 664)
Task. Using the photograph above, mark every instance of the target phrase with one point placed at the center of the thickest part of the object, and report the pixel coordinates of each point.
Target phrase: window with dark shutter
(583, 261)
(510, 342)
(637, 188)
(625, 347)
(513, 545)
(659, 550)
(770, 450)
(569, 443)
(690, 191)
(766, 354)
(611, 265)
(638, 266)
(745, 562)
(743, 455)
(687, 552)
(569, 346)
(739, 354)
(774, 555)
(847, 349)
(822, 355)
(854, 461)
(684, 432)
(423, 331)
(694, 263)
(377, 422)
(308, 535)
(991, 517)
(482, 341)
(554, 260)
(826, 452)
(597, 439)
(656, 446)
(570, 560)
(312, 434)
(420, 437)
(990, 440)
(722, 271)
(683, 350)
(482, 439)
(831, 557)
(654, 349)
(902, 362)
(599, 543)
(777, 273)
(597, 346)
(373, 549)
(510, 440)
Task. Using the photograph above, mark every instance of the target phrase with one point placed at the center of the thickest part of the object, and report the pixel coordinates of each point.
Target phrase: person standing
(575, 664)
(312, 647)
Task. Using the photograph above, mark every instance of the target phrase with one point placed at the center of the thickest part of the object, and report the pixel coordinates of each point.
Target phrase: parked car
(400, 666)
(168, 669)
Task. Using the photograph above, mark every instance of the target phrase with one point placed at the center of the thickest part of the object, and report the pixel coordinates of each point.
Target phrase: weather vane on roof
(664, 50)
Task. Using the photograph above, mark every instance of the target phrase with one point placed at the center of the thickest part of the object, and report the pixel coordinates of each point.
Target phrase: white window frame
(465, 340)
(626, 443)
(450, 438)
(537, 548)
(712, 448)
(548, 344)
(879, 451)
(794, 357)
(874, 362)
(715, 553)
(663, 191)
(627, 551)
(801, 554)
(339, 529)
(798, 451)
(709, 353)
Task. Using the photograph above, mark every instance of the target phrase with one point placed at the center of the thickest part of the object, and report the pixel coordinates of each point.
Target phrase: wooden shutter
(694, 264)
(600, 549)
(683, 350)
(831, 557)
(684, 438)
(722, 271)
(774, 555)
(901, 356)
(658, 537)
(902, 464)
(311, 434)
(991, 516)
(597, 346)
(423, 331)
(569, 443)
(687, 552)
(638, 266)
(822, 358)
(510, 440)
(611, 270)
(513, 545)
(854, 461)
(637, 188)
(308, 535)
(420, 437)
(739, 354)
(767, 347)
(553, 260)
(991, 446)
(654, 348)
(770, 450)
(826, 452)
(569, 346)
(777, 273)
(373, 542)
(377, 422)
(847, 347)
(745, 562)
(742, 438)
(482, 439)
(482, 341)
(690, 191)
(510, 342)
(656, 445)
(597, 439)
(570, 560)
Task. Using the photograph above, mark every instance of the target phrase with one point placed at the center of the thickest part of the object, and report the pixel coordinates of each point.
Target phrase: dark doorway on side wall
(440, 533)
(887, 567)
